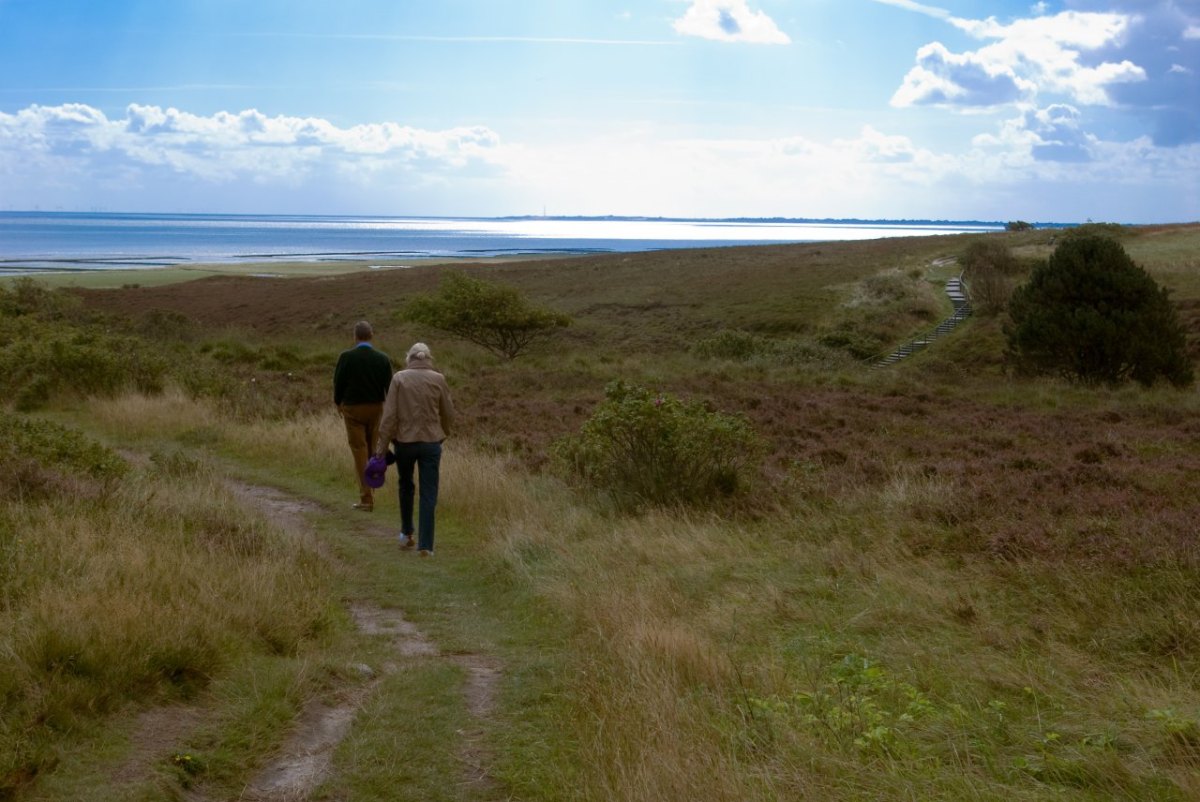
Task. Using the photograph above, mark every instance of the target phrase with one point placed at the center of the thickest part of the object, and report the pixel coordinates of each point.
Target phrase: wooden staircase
(957, 293)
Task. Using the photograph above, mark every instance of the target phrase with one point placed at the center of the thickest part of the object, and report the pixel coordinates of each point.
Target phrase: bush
(988, 266)
(1091, 315)
(733, 344)
(1090, 229)
(25, 296)
(46, 350)
(646, 448)
(754, 349)
(493, 316)
(40, 458)
(882, 308)
(860, 345)
(39, 363)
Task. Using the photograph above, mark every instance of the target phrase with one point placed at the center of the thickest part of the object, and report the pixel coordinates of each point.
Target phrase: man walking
(360, 383)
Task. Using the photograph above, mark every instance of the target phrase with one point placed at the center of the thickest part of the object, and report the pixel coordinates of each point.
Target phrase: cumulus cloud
(225, 145)
(947, 79)
(1040, 165)
(59, 155)
(1139, 56)
(729, 21)
(1049, 54)
(1052, 134)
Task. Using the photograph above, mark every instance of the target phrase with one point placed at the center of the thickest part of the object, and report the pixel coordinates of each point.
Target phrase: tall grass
(163, 585)
(812, 654)
(964, 586)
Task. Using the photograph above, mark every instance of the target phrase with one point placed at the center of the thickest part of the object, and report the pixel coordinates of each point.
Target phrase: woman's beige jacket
(417, 409)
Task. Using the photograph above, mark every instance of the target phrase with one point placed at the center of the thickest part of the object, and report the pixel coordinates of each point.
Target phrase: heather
(940, 580)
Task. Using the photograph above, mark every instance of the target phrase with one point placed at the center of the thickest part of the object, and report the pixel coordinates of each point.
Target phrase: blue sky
(1048, 111)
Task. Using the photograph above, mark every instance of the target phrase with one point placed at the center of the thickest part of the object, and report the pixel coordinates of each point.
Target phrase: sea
(38, 242)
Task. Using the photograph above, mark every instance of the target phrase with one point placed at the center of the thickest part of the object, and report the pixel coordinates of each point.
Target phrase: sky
(1056, 111)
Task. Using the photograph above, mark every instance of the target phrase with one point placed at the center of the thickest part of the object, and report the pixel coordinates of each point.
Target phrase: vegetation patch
(1091, 315)
(955, 583)
(643, 447)
(490, 315)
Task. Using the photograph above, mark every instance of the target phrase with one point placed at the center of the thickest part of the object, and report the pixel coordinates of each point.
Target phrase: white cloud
(1134, 56)
(729, 21)
(161, 149)
(1027, 57)
(1040, 165)
(1052, 134)
(945, 78)
(153, 134)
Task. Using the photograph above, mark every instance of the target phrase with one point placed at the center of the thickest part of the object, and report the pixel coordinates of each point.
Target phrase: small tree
(1091, 315)
(988, 266)
(1018, 225)
(493, 316)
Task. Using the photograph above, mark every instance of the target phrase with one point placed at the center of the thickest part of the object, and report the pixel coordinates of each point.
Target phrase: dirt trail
(305, 759)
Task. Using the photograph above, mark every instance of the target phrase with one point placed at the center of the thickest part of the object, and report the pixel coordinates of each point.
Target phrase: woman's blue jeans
(426, 458)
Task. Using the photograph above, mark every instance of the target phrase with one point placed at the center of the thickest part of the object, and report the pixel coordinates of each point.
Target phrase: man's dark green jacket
(362, 376)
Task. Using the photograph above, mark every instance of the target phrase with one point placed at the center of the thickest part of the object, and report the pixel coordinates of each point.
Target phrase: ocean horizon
(34, 242)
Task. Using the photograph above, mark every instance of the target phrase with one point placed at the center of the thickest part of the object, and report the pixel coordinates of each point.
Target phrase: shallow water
(80, 241)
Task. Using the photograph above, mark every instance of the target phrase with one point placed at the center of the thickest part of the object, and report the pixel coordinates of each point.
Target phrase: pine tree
(1091, 315)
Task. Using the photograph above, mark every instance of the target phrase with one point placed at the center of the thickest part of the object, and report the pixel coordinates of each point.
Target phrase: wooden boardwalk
(957, 293)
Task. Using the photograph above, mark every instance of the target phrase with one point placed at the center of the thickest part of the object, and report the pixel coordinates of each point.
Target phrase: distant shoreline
(869, 221)
(58, 242)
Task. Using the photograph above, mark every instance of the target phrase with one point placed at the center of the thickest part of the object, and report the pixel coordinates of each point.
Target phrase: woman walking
(417, 416)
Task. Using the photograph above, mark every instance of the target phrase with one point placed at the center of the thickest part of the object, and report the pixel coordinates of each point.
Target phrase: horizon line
(851, 220)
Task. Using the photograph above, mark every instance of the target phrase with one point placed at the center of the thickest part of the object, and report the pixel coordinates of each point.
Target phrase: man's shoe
(425, 553)
(361, 507)
(407, 541)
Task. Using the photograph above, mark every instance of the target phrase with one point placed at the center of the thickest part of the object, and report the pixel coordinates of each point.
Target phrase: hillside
(944, 581)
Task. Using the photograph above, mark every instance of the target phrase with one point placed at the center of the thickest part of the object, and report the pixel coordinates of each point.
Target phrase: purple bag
(375, 472)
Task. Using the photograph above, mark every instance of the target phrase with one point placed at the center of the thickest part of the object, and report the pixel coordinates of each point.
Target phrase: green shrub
(1090, 229)
(881, 309)
(493, 316)
(642, 447)
(40, 363)
(164, 325)
(40, 458)
(749, 348)
(230, 352)
(988, 267)
(1091, 315)
(25, 297)
(857, 706)
(45, 352)
(733, 344)
(859, 344)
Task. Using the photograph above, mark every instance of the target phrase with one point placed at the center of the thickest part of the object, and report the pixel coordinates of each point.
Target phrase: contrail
(909, 5)
(462, 39)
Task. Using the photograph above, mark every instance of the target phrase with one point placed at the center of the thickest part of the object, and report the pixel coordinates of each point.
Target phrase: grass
(952, 584)
(148, 590)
